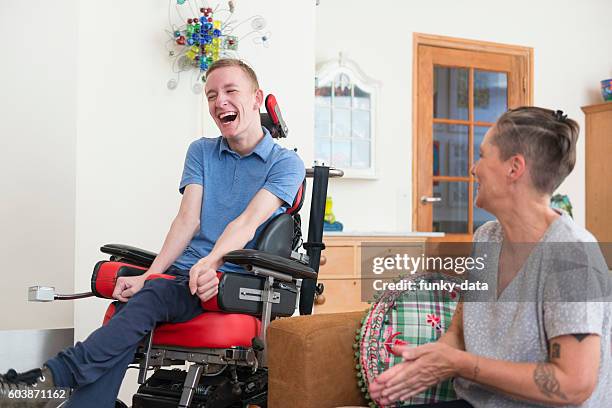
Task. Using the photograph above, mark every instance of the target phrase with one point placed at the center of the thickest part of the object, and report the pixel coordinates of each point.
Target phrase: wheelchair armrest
(105, 274)
(129, 254)
(252, 257)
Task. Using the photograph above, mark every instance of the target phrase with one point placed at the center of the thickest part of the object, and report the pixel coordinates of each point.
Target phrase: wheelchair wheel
(120, 404)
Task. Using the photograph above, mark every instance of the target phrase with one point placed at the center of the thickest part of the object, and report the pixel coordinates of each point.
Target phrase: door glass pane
(480, 215)
(341, 153)
(450, 93)
(479, 134)
(450, 214)
(323, 149)
(361, 124)
(342, 91)
(323, 95)
(490, 95)
(322, 121)
(342, 123)
(361, 99)
(450, 145)
(361, 154)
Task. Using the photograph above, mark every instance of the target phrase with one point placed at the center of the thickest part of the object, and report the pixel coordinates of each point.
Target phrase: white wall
(133, 132)
(571, 45)
(37, 159)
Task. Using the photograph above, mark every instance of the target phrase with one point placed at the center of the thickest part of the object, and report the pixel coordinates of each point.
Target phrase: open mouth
(227, 117)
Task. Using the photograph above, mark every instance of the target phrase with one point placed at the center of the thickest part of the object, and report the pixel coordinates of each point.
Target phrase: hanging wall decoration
(200, 35)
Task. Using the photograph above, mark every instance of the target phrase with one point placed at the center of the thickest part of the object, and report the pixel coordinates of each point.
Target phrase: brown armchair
(311, 361)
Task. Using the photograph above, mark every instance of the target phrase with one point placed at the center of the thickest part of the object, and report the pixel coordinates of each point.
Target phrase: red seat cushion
(208, 330)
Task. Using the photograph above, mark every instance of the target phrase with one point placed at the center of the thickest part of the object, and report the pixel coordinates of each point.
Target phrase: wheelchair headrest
(273, 120)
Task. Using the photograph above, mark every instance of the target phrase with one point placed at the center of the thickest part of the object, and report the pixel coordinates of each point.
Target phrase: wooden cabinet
(598, 173)
(341, 273)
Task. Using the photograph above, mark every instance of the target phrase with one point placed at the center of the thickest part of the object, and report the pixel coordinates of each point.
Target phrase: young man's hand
(203, 280)
(127, 286)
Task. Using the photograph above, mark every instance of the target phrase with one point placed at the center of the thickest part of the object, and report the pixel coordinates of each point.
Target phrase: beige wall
(37, 159)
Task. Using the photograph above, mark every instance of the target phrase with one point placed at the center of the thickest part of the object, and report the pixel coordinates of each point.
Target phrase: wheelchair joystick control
(41, 294)
(47, 294)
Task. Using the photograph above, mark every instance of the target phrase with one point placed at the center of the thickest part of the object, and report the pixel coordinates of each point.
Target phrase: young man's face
(233, 102)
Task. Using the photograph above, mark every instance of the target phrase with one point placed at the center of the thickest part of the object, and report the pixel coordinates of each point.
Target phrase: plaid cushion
(415, 317)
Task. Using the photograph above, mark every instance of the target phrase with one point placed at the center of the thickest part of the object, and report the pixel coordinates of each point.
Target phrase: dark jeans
(95, 368)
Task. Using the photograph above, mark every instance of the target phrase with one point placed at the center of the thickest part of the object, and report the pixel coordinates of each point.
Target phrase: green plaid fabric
(416, 317)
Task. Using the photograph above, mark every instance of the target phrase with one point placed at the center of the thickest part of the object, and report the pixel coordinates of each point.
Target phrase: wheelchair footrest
(163, 390)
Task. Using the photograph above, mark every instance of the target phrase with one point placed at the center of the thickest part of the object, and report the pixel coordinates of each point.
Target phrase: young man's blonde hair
(232, 62)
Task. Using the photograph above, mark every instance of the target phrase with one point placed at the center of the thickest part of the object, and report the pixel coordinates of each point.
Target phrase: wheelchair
(224, 347)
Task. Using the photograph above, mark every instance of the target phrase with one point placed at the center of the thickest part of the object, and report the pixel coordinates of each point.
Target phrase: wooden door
(459, 93)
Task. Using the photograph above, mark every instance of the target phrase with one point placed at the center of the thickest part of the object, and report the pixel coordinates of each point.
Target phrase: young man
(231, 185)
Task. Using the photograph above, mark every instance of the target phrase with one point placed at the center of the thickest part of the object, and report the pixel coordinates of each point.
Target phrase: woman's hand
(423, 366)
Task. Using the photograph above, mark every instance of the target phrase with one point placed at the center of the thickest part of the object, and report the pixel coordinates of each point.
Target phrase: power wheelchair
(225, 347)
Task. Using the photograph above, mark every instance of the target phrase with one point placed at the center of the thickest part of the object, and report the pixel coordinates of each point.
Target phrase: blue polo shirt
(230, 182)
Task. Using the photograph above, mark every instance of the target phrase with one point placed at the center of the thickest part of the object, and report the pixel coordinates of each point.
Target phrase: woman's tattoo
(544, 378)
(555, 351)
(476, 370)
(580, 336)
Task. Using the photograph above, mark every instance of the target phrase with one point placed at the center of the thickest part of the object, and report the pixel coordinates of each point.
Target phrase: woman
(527, 347)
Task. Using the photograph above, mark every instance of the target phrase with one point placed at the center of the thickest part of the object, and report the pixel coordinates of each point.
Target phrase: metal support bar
(190, 384)
(259, 271)
(144, 363)
(320, 180)
(266, 313)
(298, 286)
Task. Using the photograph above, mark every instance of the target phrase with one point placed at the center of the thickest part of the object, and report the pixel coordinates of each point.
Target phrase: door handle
(430, 200)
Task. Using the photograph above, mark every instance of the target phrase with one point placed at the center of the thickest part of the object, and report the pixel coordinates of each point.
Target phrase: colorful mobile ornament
(204, 35)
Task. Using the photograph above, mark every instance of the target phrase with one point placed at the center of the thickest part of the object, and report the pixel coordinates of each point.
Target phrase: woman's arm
(454, 334)
(568, 377)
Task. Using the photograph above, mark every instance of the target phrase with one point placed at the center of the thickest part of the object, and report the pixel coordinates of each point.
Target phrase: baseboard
(26, 349)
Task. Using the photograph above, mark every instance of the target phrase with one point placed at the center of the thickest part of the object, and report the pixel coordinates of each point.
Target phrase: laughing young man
(231, 185)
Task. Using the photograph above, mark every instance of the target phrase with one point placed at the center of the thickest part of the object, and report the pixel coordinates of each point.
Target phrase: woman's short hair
(547, 140)
(233, 62)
